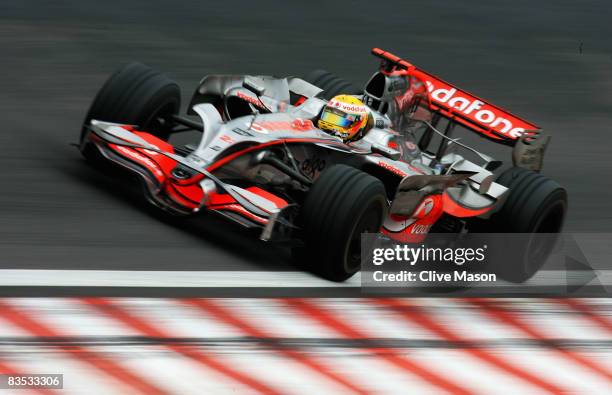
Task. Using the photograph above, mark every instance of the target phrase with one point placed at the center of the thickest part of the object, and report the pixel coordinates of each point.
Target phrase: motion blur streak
(146, 328)
(586, 310)
(226, 316)
(310, 308)
(110, 367)
(289, 346)
(410, 311)
(498, 311)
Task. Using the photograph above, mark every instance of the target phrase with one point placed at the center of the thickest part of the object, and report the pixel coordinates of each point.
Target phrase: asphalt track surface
(548, 62)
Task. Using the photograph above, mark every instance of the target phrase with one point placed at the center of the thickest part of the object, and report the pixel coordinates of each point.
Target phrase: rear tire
(137, 95)
(535, 204)
(342, 204)
(331, 84)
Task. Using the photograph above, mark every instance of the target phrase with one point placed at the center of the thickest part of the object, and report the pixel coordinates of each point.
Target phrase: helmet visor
(339, 118)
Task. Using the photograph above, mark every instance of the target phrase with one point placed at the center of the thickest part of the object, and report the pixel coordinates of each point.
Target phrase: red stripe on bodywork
(223, 201)
(184, 196)
(215, 199)
(137, 156)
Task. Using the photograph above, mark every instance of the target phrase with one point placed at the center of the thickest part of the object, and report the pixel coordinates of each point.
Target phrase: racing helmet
(344, 116)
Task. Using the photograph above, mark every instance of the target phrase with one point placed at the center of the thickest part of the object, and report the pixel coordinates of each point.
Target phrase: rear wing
(460, 106)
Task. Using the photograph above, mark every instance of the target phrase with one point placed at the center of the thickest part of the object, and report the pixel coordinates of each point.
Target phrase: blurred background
(547, 61)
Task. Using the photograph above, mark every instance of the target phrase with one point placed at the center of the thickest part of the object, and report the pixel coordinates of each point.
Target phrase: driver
(345, 116)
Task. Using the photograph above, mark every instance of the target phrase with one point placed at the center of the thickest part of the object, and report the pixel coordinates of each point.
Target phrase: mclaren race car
(263, 162)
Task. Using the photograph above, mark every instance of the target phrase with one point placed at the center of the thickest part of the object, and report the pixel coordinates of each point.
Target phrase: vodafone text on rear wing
(462, 107)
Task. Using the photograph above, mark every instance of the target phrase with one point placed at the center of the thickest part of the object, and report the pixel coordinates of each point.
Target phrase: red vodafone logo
(477, 110)
(351, 108)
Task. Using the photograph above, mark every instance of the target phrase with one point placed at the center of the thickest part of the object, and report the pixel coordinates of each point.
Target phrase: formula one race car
(267, 159)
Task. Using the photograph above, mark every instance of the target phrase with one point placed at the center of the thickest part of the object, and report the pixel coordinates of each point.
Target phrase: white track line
(136, 278)
(228, 279)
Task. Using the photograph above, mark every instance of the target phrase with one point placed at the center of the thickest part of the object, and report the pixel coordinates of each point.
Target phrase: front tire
(342, 204)
(136, 95)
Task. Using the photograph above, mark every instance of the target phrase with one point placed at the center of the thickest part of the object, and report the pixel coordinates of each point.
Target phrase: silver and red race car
(262, 162)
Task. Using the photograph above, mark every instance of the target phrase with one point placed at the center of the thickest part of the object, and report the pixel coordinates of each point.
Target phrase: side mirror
(253, 85)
